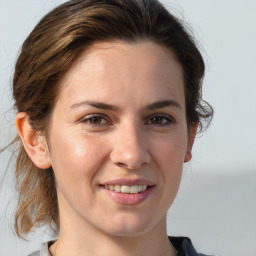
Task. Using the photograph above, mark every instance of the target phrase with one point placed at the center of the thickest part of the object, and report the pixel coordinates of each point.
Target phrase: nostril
(130, 159)
(123, 165)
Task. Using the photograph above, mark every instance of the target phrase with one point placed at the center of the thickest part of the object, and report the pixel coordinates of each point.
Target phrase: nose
(130, 148)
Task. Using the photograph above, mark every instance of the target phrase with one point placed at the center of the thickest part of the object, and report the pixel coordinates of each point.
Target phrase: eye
(160, 120)
(95, 119)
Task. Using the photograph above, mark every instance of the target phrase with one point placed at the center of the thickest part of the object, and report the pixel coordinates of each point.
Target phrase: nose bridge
(130, 147)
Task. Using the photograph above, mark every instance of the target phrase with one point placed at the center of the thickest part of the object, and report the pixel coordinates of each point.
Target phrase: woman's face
(119, 123)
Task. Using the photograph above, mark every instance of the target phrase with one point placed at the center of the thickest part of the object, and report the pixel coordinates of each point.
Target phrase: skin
(89, 145)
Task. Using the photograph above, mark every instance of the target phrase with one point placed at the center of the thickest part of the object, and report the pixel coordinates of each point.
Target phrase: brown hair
(49, 51)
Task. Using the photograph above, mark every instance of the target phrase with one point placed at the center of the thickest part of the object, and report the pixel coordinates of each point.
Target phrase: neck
(85, 242)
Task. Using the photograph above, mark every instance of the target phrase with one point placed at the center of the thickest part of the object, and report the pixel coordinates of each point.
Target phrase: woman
(108, 95)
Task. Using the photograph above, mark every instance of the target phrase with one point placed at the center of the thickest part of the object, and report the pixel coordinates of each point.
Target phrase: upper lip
(129, 182)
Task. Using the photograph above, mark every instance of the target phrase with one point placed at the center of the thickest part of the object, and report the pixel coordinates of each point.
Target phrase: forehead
(128, 68)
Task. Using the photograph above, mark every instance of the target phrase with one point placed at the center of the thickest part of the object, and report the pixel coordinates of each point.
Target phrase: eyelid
(86, 118)
(169, 119)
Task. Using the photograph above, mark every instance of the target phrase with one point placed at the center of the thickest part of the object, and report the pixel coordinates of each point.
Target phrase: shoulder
(37, 253)
(184, 246)
(44, 251)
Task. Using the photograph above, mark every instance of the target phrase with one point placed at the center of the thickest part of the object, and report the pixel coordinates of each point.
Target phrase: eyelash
(89, 118)
(167, 120)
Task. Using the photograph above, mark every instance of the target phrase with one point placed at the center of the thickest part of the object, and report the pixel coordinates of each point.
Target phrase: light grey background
(216, 204)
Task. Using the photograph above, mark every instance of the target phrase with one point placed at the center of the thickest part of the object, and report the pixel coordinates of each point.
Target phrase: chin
(129, 226)
(129, 232)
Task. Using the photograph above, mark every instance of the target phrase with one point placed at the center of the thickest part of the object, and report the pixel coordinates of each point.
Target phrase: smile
(128, 195)
(125, 189)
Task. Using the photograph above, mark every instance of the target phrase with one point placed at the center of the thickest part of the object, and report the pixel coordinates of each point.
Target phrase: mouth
(126, 189)
(128, 192)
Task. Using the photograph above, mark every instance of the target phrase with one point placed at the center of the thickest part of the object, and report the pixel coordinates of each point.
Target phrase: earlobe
(191, 138)
(33, 142)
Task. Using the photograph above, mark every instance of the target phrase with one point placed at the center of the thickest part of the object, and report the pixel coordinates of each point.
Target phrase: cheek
(170, 151)
(72, 156)
(169, 156)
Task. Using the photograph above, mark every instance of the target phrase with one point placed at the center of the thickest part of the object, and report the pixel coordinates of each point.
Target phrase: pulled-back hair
(49, 51)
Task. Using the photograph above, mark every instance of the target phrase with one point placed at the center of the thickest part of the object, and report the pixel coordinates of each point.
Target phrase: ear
(191, 138)
(34, 143)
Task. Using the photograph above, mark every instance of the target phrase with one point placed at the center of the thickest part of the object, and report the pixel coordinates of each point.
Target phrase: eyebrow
(95, 104)
(106, 106)
(163, 104)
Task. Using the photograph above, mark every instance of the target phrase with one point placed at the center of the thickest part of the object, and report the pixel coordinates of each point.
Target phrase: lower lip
(128, 199)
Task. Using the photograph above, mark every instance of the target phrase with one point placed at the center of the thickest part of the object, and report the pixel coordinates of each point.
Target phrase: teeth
(125, 189)
(135, 189)
(111, 187)
(117, 188)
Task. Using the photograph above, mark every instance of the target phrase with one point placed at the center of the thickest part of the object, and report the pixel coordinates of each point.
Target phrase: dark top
(182, 245)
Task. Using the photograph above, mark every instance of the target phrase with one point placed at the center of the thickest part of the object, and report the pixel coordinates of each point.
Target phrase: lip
(128, 199)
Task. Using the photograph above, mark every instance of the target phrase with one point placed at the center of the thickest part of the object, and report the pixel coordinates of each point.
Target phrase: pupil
(157, 120)
(95, 120)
